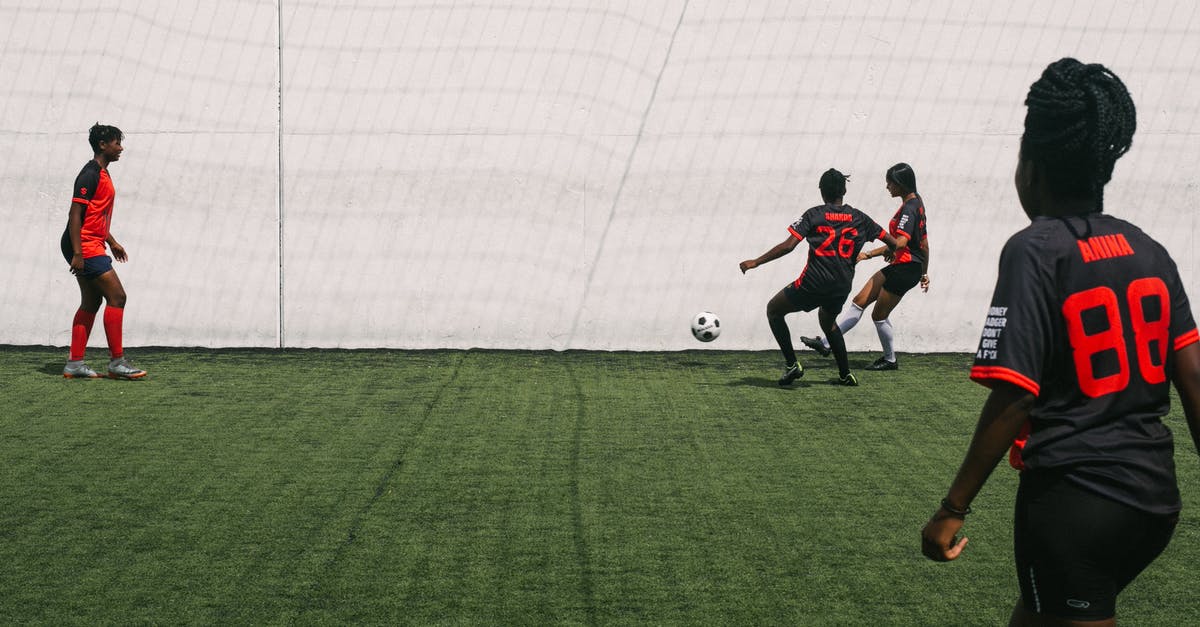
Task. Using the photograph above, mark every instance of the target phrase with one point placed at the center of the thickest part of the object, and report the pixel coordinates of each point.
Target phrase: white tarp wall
(545, 174)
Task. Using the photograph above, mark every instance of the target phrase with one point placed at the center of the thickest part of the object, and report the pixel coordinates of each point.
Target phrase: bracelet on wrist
(946, 505)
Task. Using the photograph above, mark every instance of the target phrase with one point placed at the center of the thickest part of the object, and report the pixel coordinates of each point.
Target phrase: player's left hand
(924, 282)
(748, 264)
(118, 252)
(940, 541)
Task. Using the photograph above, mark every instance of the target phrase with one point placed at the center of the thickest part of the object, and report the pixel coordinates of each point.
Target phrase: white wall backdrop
(544, 174)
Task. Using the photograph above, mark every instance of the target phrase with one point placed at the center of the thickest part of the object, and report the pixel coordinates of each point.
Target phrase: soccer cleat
(883, 364)
(78, 370)
(848, 380)
(795, 371)
(119, 368)
(816, 344)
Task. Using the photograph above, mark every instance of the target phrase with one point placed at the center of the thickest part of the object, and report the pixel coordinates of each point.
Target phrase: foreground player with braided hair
(1088, 327)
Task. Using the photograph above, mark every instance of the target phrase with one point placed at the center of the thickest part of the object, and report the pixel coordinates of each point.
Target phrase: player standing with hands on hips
(1089, 326)
(83, 245)
(907, 267)
(836, 233)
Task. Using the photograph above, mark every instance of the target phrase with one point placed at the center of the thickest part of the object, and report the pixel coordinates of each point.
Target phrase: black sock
(783, 335)
(837, 344)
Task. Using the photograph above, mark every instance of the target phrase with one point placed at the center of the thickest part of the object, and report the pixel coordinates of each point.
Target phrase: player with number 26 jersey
(835, 235)
(1086, 313)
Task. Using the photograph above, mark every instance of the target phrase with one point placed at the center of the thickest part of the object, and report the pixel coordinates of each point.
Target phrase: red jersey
(94, 189)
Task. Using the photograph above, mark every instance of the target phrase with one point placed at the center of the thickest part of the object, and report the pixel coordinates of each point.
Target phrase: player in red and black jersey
(1089, 326)
(83, 245)
(908, 267)
(836, 234)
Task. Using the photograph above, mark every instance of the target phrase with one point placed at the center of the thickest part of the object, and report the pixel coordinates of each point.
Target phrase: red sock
(81, 328)
(112, 330)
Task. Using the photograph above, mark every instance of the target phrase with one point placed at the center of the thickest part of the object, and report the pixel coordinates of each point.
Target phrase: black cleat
(883, 364)
(795, 371)
(848, 380)
(816, 344)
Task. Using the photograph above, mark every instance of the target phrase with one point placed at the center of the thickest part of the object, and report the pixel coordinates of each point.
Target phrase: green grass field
(507, 488)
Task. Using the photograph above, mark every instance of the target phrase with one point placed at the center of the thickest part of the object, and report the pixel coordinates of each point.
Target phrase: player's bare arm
(1186, 378)
(901, 242)
(1006, 410)
(75, 230)
(925, 265)
(780, 249)
(117, 249)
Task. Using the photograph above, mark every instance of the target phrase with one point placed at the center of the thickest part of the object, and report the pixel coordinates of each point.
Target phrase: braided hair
(1080, 120)
(833, 185)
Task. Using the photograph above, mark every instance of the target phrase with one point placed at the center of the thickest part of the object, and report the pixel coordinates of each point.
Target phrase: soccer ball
(706, 326)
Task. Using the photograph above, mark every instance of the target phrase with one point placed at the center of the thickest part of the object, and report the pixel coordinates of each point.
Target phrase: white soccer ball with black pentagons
(706, 326)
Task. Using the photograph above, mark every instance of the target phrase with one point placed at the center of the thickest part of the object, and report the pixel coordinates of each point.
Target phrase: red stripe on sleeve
(984, 375)
(795, 234)
(1191, 337)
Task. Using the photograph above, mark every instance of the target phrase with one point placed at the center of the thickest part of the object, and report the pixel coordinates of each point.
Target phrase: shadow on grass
(760, 382)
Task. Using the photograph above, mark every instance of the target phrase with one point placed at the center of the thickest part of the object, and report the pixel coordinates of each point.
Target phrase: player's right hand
(940, 541)
(76, 264)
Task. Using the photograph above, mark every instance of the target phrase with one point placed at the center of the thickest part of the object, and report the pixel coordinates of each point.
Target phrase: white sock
(886, 337)
(847, 321)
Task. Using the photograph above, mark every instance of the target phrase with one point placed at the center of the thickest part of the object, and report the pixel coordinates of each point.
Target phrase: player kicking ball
(836, 234)
(83, 246)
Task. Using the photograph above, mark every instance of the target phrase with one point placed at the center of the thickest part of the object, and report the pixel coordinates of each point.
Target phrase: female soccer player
(83, 246)
(909, 266)
(1088, 325)
(836, 234)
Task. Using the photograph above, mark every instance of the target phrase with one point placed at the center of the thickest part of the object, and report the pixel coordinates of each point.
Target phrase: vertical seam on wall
(279, 157)
(612, 212)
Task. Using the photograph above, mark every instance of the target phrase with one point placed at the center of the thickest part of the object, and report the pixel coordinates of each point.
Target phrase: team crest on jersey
(83, 191)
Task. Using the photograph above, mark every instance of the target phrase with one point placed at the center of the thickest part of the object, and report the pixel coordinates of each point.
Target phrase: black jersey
(835, 236)
(1085, 316)
(909, 222)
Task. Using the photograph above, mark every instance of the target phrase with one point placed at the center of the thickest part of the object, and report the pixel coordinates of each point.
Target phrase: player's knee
(117, 299)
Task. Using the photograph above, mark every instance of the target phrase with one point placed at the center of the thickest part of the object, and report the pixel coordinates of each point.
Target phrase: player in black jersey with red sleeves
(836, 233)
(1089, 325)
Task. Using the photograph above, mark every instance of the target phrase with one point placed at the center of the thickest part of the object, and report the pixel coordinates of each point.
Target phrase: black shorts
(1076, 550)
(900, 277)
(808, 300)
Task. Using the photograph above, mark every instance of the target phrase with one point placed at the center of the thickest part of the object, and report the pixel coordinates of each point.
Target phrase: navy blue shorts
(1076, 550)
(92, 266)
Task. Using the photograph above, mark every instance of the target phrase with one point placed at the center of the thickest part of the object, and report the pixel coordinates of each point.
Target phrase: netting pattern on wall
(545, 174)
